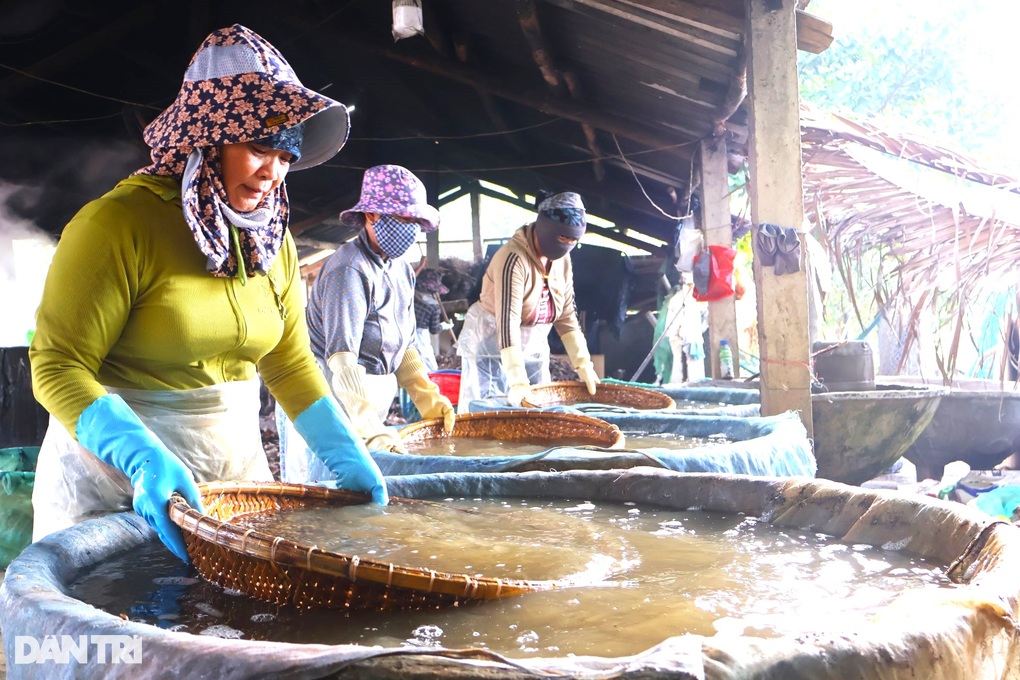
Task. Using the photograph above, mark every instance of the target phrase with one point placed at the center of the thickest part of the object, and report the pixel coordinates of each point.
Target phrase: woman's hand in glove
(413, 377)
(330, 436)
(154, 482)
(387, 440)
(111, 430)
(586, 372)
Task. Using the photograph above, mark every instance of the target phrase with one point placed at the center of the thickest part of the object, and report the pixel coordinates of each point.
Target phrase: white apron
(214, 430)
(481, 372)
(298, 464)
(423, 343)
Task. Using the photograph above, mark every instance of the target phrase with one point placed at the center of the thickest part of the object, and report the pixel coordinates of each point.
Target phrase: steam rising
(54, 180)
(25, 255)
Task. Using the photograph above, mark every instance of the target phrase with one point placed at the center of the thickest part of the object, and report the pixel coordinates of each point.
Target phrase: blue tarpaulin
(776, 446)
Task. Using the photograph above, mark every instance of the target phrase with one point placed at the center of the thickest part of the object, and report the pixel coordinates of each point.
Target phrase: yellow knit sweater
(128, 303)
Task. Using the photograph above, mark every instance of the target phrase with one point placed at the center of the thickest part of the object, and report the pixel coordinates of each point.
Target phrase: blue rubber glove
(330, 436)
(112, 431)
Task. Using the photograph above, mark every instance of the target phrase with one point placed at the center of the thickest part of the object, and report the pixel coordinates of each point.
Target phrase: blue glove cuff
(329, 434)
(111, 430)
(114, 433)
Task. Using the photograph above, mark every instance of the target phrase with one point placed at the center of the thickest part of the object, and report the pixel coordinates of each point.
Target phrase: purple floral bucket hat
(431, 280)
(239, 88)
(392, 190)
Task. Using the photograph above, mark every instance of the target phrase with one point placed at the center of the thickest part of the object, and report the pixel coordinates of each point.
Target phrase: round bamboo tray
(531, 426)
(567, 393)
(274, 569)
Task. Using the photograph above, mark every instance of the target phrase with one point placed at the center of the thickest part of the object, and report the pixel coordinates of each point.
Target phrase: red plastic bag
(713, 273)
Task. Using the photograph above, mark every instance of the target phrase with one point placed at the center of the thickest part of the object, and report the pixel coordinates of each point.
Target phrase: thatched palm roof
(947, 220)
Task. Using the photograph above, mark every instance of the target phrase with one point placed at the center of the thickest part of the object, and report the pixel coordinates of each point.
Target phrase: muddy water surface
(667, 573)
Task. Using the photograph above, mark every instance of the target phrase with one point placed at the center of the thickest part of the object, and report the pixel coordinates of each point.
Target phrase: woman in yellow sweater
(167, 295)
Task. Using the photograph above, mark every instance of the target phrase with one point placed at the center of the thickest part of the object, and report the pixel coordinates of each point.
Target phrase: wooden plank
(72, 55)
(560, 80)
(511, 88)
(617, 234)
(776, 197)
(715, 218)
(649, 44)
(699, 41)
(476, 223)
(814, 34)
(432, 249)
(707, 18)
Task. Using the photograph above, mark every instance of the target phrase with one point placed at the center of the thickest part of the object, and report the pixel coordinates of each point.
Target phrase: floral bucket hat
(238, 88)
(392, 190)
(431, 280)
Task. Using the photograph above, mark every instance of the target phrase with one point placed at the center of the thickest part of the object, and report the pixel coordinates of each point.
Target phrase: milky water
(669, 573)
(671, 441)
(688, 405)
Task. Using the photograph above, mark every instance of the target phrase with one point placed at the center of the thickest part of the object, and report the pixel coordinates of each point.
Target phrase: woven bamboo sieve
(529, 426)
(274, 569)
(566, 393)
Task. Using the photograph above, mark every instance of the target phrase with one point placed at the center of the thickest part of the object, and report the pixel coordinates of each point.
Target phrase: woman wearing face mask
(528, 288)
(169, 293)
(361, 318)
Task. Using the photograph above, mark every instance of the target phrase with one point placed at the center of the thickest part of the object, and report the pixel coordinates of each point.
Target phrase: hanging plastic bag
(407, 21)
(713, 274)
(689, 245)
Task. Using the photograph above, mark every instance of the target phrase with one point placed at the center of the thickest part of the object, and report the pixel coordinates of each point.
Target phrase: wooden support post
(432, 249)
(715, 222)
(777, 197)
(476, 223)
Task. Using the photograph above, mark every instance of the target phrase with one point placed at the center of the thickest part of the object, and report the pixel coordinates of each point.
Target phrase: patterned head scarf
(238, 88)
(288, 140)
(560, 215)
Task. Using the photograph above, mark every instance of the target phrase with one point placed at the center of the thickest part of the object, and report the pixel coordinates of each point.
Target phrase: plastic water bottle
(725, 360)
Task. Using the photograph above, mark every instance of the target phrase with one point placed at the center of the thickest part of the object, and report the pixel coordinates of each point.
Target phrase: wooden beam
(76, 53)
(628, 240)
(513, 89)
(463, 52)
(619, 199)
(613, 234)
(458, 48)
(560, 82)
(698, 15)
(629, 203)
(450, 198)
(527, 18)
(574, 87)
(715, 222)
(814, 34)
(435, 31)
(476, 223)
(777, 198)
(736, 91)
(432, 249)
(700, 41)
